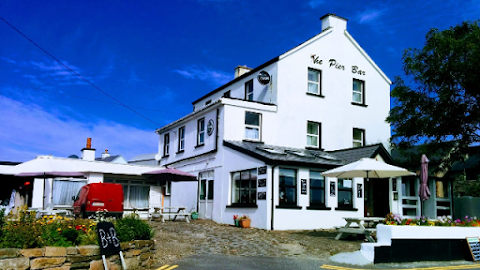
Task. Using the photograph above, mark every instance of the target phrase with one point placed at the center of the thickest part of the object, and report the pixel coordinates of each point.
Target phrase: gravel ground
(178, 239)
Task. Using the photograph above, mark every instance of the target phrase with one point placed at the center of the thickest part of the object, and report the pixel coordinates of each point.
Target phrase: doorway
(376, 197)
(205, 199)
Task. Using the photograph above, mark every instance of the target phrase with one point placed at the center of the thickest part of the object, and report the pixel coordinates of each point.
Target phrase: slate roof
(143, 157)
(368, 151)
(107, 159)
(272, 154)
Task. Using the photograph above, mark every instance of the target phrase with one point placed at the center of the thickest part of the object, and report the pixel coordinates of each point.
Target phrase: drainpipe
(273, 197)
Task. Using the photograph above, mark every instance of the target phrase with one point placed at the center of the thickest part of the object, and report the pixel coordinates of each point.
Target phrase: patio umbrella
(423, 190)
(171, 174)
(367, 168)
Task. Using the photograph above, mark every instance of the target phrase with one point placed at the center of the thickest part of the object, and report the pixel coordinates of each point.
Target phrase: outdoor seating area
(359, 225)
(169, 211)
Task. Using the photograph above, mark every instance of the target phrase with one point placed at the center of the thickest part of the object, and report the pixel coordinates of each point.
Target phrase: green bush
(132, 228)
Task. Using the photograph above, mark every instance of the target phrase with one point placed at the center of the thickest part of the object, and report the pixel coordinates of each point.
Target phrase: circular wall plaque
(263, 77)
(210, 127)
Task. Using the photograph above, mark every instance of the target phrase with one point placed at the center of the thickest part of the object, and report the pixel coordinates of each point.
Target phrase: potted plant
(194, 215)
(236, 221)
(244, 221)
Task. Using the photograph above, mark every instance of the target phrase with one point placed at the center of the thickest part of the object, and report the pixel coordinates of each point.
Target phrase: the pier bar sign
(263, 77)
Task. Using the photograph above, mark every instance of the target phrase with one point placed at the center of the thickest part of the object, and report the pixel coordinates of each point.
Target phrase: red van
(99, 197)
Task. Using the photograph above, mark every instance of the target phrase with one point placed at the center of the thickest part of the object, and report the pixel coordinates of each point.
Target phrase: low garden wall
(137, 254)
(397, 243)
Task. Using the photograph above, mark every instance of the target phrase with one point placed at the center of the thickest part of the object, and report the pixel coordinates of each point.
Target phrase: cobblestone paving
(178, 239)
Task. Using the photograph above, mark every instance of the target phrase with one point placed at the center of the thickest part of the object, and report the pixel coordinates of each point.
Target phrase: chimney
(334, 21)
(106, 154)
(88, 153)
(240, 70)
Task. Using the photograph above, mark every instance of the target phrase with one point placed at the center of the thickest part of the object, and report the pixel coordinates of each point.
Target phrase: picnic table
(162, 212)
(360, 227)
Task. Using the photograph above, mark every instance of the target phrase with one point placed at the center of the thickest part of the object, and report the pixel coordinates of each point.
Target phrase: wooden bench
(158, 213)
(360, 229)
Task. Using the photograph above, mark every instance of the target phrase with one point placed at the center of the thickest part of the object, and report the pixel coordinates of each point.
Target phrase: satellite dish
(73, 156)
(158, 157)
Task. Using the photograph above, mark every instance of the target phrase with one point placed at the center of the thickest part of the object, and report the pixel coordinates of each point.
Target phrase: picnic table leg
(367, 233)
(340, 233)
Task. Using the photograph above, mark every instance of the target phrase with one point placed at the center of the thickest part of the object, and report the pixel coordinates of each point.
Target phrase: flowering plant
(235, 217)
(393, 219)
(244, 217)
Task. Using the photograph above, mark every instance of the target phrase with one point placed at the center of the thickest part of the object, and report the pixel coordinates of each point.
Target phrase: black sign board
(107, 238)
(359, 190)
(303, 186)
(332, 189)
(262, 170)
(262, 182)
(474, 246)
(262, 195)
(263, 77)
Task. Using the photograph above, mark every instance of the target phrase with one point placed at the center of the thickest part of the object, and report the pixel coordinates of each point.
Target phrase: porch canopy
(367, 168)
(171, 174)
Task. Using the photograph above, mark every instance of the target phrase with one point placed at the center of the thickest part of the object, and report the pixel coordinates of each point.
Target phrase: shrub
(132, 228)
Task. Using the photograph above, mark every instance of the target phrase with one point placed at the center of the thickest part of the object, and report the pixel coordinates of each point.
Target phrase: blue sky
(156, 57)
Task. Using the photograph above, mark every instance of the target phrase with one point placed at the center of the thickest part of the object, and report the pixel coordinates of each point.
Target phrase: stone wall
(138, 254)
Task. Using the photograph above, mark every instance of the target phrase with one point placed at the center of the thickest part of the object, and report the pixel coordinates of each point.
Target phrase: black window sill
(253, 141)
(346, 209)
(165, 156)
(288, 207)
(314, 148)
(315, 95)
(199, 145)
(360, 104)
(179, 152)
(242, 205)
(318, 208)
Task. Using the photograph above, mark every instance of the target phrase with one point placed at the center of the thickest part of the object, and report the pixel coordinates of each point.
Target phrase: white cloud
(205, 74)
(370, 16)
(315, 3)
(29, 130)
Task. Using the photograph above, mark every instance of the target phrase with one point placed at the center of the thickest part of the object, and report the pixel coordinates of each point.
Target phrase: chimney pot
(89, 143)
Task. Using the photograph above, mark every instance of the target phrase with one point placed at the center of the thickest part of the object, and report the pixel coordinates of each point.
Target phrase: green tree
(439, 108)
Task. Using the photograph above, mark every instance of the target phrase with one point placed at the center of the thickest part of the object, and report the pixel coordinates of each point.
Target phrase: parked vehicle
(99, 197)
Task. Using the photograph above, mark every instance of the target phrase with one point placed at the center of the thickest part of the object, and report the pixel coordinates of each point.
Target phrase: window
(314, 82)
(345, 195)
(249, 90)
(208, 102)
(252, 126)
(358, 91)
(136, 193)
(226, 94)
(201, 131)
(181, 139)
(166, 144)
(244, 187)
(317, 189)
(313, 134)
(64, 190)
(358, 137)
(288, 187)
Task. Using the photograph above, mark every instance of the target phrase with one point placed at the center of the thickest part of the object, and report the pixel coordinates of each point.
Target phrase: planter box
(244, 223)
(419, 243)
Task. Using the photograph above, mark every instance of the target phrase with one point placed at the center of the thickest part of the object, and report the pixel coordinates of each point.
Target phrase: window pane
(201, 138)
(138, 196)
(345, 198)
(210, 190)
(357, 97)
(203, 186)
(64, 191)
(252, 119)
(313, 75)
(313, 88)
(317, 183)
(252, 133)
(357, 144)
(317, 196)
(312, 128)
(312, 141)
(357, 134)
(291, 195)
(357, 85)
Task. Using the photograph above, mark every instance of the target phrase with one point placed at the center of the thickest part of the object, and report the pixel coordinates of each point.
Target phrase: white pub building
(259, 143)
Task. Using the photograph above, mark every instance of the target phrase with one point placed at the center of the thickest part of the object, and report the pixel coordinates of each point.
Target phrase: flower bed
(393, 219)
(26, 231)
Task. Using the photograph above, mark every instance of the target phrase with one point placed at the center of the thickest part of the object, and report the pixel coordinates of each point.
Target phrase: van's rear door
(114, 198)
(96, 197)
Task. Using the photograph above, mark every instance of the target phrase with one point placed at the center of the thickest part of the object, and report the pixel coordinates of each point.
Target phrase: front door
(205, 206)
(376, 197)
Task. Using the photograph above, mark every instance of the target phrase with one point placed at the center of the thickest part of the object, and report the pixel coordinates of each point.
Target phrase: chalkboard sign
(359, 190)
(303, 187)
(474, 246)
(107, 238)
(262, 170)
(332, 188)
(262, 195)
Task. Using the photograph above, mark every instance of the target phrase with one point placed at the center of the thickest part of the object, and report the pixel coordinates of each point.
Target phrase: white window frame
(360, 92)
(166, 144)
(201, 132)
(248, 126)
(314, 135)
(317, 83)
(358, 142)
(249, 90)
(181, 139)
